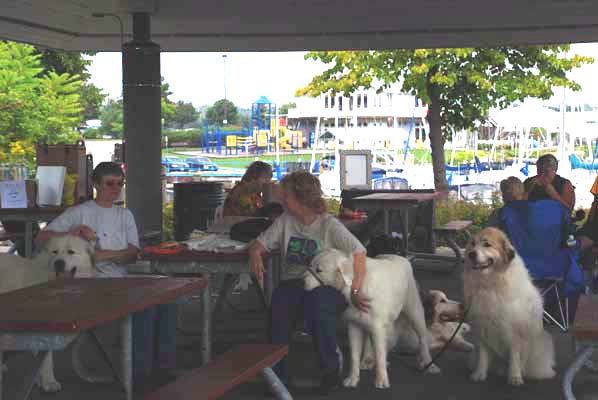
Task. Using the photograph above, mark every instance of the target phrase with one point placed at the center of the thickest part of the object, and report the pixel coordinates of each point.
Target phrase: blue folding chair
(538, 231)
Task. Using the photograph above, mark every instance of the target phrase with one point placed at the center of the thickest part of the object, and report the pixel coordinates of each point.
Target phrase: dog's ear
(508, 251)
(90, 249)
(344, 266)
(339, 281)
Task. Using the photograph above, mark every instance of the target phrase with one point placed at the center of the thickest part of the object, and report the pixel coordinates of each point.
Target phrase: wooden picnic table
(51, 315)
(228, 263)
(395, 202)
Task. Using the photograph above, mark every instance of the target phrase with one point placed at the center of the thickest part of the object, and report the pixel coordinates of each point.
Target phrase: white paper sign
(13, 194)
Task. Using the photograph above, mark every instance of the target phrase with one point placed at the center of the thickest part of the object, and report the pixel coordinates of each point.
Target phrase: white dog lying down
(442, 320)
(506, 311)
(62, 256)
(391, 288)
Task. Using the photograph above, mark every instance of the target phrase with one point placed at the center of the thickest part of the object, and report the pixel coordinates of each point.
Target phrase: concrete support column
(142, 125)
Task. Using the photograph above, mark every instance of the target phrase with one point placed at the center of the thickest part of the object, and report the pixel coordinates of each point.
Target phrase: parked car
(173, 164)
(201, 164)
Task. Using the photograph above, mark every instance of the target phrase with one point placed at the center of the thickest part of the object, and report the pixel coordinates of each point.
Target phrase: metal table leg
(580, 359)
(25, 390)
(127, 355)
(206, 334)
(28, 239)
(278, 389)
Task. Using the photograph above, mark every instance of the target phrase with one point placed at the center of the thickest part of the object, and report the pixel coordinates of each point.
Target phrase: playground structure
(261, 136)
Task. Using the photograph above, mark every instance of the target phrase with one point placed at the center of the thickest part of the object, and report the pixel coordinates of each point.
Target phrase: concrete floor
(234, 327)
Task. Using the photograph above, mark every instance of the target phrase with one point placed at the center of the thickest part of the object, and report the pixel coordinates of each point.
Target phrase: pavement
(242, 322)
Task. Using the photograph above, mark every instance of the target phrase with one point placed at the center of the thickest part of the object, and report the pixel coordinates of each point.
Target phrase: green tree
(459, 85)
(222, 110)
(111, 116)
(91, 99)
(284, 109)
(35, 107)
(74, 63)
(184, 114)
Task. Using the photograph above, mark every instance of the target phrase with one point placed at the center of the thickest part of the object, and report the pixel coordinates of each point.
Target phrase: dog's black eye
(55, 252)
(71, 252)
(486, 244)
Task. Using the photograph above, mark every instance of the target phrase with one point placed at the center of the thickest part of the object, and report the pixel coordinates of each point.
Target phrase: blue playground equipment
(263, 120)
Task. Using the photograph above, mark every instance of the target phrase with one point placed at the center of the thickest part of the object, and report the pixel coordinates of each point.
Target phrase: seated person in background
(548, 185)
(588, 234)
(246, 197)
(511, 190)
(117, 244)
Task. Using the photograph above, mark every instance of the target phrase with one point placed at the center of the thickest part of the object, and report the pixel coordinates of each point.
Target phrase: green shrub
(333, 206)
(475, 211)
(168, 222)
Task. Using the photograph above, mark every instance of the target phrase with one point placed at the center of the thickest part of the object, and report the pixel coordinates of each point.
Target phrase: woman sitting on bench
(298, 234)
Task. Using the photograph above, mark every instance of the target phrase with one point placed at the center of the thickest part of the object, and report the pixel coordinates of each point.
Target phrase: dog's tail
(541, 362)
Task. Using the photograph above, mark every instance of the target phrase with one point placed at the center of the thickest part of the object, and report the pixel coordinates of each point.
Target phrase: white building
(363, 120)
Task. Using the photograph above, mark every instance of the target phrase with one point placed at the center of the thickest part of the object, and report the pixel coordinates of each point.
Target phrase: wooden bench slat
(222, 374)
(455, 226)
(586, 318)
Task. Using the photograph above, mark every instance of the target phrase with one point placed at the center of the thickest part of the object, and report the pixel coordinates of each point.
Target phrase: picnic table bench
(449, 233)
(232, 368)
(585, 334)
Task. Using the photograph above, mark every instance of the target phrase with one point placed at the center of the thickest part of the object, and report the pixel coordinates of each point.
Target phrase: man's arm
(124, 256)
(83, 231)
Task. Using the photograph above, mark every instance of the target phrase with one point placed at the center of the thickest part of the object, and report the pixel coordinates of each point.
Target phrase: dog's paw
(516, 380)
(381, 382)
(351, 381)
(367, 363)
(478, 376)
(51, 386)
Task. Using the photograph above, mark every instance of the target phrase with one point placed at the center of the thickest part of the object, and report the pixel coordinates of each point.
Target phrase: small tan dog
(505, 311)
(62, 257)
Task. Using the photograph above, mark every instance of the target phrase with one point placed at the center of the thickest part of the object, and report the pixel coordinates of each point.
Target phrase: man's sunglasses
(114, 183)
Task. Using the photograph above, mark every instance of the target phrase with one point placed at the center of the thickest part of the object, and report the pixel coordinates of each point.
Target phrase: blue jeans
(154, 340)
(320, 307)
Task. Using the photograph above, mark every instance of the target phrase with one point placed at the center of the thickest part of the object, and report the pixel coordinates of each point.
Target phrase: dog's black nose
(473, 256)
(59, 266)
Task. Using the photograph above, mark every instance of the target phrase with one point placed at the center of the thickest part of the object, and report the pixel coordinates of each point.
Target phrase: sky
(200, 78)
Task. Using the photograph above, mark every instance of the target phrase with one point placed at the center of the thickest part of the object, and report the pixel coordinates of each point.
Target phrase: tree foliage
(222, 110)
(184, 114)
(284, 108)
(73, 63)
(35, 106)
(459, 85)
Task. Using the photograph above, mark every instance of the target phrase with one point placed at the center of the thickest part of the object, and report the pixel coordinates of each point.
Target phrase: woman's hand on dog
(361, 302)
(83, 231)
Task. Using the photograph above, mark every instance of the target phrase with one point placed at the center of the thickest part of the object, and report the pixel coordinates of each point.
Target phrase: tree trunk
(436, 139)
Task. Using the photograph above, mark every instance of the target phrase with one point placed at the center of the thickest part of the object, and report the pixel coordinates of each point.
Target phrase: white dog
(391, 288)
(505, 311)
(62, 256)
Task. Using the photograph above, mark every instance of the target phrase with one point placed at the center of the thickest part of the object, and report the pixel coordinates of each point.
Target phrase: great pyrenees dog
(390, 286)
(505, 310)
(61, 257)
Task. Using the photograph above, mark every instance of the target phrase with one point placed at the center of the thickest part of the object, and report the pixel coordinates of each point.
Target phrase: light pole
(224, 121)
